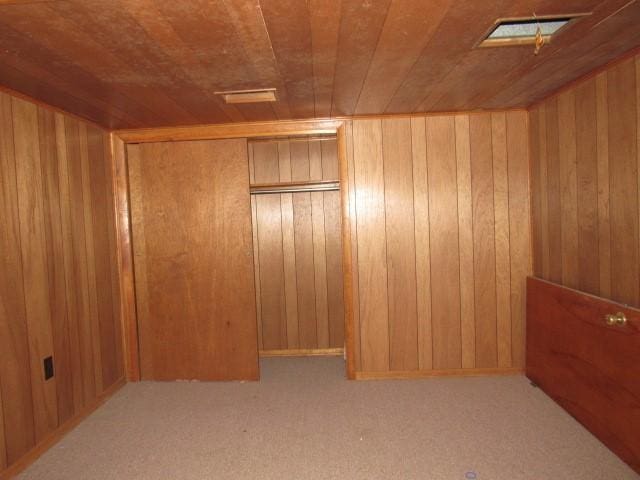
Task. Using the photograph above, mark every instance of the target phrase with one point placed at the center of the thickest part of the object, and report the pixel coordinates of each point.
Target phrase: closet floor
(303, 420)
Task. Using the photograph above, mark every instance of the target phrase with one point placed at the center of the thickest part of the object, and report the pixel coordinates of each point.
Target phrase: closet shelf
(295, 187)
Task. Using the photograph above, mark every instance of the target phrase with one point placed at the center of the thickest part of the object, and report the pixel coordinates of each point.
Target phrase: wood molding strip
(418, 374)
(293, 187)
(230, 130)
(303, 352)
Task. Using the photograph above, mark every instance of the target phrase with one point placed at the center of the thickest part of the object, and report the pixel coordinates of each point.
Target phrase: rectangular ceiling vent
(508, 32)
(249, 96)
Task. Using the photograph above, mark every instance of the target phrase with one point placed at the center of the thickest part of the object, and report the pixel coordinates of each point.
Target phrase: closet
(295, 204)
(237, 252)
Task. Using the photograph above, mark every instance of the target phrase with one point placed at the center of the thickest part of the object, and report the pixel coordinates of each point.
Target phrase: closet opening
(297, 246)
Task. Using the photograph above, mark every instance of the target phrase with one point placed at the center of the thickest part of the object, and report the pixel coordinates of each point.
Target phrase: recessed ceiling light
(522, 31)
(249, 96)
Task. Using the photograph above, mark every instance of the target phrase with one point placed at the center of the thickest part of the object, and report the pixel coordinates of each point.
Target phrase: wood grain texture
(484, 248)
(371, 242)
(465, 242)
(140, 63)
(42, 197)
(443, 230)
(34, 263)
(596, 212)
(189, 193)
(299, 244)
(441, 169)
(401, 248)
(15, 375)
(519, 229)
(422, 241)
(587, 366)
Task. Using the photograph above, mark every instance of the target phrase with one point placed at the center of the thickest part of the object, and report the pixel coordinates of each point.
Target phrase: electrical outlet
(48, 368)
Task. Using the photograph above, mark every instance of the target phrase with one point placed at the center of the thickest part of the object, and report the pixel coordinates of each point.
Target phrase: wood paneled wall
(585, 154)
(58, 286)
(439, 210)
(297, 247)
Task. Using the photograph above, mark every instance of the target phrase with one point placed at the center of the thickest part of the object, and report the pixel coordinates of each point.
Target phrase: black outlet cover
(48, 368)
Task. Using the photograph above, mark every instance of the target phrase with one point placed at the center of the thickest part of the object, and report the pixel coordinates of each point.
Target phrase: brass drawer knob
(618, 319)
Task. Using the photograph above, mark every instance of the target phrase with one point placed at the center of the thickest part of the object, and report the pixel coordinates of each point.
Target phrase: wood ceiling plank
(251, 31)
(208, 107)
(289, 29)
(325, 28)
(135, 66)
(486, 66)
(71, 54)
(360, 27)
(557, 63)
(218, 58)
(453, 38)
(16, 80)
(41, 66)
(395, 54)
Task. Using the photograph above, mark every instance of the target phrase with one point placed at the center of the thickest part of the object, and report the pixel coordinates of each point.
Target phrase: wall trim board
(124, 257)
(303, 352)
(230, 130)
(587, 76)
(457, 372)
(58, 434)
(119, 139)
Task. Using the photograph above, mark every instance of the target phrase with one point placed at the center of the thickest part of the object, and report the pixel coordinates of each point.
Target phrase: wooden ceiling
(144, 63)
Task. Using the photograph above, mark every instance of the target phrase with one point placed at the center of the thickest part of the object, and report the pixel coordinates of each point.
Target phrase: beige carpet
(304, 421)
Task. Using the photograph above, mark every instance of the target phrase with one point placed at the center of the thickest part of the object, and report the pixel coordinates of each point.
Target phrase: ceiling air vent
(524, 31)
(249, 96)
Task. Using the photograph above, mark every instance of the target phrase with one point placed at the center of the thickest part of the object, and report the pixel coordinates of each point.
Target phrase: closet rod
(321, 186)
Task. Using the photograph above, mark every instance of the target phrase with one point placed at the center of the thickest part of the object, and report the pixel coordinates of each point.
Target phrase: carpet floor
(304, 421)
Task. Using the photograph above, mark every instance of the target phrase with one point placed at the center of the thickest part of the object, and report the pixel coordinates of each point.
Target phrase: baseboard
(55, 436)
(458, 372)
(303, 352)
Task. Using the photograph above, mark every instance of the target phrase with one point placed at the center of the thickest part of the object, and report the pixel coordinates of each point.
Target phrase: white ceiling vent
(249, 96)
(524, 31)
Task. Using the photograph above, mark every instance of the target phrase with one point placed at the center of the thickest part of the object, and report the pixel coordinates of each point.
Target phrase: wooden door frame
(124, 252)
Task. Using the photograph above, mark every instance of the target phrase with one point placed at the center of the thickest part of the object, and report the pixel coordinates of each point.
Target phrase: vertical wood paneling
(604, 219)
(554, 193)
(466, 181)
(519, 229)
(34, 263)
(94, 327)
(502, 237)
(55, 262)
(82, 309)
(465, 242)
(484, 253)
(301, 239)
(544, 189)
(42, 197)
(623, 172)
(355, 277)
(423, 256)
(598, 211)
(68, 255)
(288, 247)
(443, 230)
(587, 187)
(319, 247)
(372, 252)
(400, 236)
(536, 183)
(15, 376)
(568, 187)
